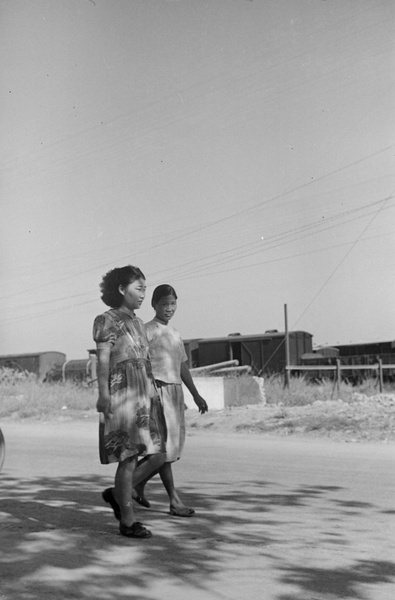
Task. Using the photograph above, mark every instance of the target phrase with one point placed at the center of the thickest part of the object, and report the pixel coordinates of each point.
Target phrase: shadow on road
(60, 540)
(339, 583)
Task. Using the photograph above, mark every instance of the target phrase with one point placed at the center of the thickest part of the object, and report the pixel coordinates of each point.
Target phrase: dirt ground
(363, 419)
(278, 517)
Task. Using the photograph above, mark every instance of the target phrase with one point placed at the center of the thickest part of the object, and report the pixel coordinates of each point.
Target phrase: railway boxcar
(39, 363)
(383, 350)
(265, 353)
(192, 351)
(81, 370)
(367, 354)
(324, 356)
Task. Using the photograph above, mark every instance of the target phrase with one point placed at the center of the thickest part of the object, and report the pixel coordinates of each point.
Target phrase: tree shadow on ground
(339, 583)
(60, 540)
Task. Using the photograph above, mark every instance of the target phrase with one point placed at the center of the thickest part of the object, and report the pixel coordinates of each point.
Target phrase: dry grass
(354, 414)
(22, 396)
(303, 408)
(302, 392)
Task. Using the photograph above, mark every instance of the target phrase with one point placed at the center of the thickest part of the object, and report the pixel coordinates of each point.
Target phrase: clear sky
(241, 150)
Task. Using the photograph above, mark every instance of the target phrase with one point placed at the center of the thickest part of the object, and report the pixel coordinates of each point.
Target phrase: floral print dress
(136, 425)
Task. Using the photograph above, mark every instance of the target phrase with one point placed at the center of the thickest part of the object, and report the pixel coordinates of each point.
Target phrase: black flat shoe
(142, 500)
(108, 497)
(136, 530)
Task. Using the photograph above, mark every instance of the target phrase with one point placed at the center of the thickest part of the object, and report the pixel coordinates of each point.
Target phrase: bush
(23, 396)
(11, 377)
(302, 391)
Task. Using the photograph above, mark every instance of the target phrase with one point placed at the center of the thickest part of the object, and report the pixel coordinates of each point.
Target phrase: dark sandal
(142, 500)
(183, 511)
(136, 530)
(108, 497)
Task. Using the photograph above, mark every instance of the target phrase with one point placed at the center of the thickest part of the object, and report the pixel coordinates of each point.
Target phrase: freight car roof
(249, 337)
(4, 356)
(391, 343)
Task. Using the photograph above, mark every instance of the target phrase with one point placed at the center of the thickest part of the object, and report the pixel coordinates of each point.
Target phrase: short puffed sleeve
(151, 329)
(104, 331)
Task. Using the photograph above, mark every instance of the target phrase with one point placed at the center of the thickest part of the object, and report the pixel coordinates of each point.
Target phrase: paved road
(277, 519)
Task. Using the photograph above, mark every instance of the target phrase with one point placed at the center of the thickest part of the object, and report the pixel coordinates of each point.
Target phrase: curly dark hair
(111, 281)
(161, 291)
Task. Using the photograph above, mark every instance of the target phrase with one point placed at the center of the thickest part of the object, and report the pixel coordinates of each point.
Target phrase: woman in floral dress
(132, 423)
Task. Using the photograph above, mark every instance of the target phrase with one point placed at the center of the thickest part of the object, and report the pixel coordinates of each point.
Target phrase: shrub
(302, 391)
(22, 395)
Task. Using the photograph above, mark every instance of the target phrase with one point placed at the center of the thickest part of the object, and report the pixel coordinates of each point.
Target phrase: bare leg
(166, 475)
(138, 488)
(123, 489)
(129, 474)
(148, 467)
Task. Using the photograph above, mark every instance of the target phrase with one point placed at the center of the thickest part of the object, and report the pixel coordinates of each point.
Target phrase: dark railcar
(265, 352)
(81, 370)
(192, 352)
(353, 355)
(367, 354)
(377, 348)
(39, 363)
(324, 356)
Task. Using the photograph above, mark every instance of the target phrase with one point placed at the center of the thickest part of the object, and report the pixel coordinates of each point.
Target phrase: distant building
(39, 363)
(265, 352)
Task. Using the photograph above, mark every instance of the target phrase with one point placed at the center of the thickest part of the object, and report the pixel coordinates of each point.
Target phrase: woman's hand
(201, 404)
(103, 405)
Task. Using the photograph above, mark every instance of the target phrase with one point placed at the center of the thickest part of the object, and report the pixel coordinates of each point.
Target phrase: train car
(81, 370)
(265, 353)
(383, 350)
(352, 355)
(367, 354)
(192, 351)
(39, 363)
(324, 356)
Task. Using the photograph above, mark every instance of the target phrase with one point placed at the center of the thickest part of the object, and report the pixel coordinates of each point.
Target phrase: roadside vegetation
(351, 413)
(302, 392)
(23, 397)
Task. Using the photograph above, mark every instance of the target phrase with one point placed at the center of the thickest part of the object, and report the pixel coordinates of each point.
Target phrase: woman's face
(133, 294)
(165, 308)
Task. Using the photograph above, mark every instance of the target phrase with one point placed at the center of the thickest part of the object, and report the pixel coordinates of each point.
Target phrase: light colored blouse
(166, 350)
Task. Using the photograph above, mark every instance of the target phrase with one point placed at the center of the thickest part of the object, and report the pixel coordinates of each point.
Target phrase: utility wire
(331, 275)
(207, 225)
(334, 271)
(180, 278)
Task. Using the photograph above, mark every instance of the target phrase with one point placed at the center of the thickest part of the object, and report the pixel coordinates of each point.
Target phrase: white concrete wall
(211, 389)
(222, 392)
